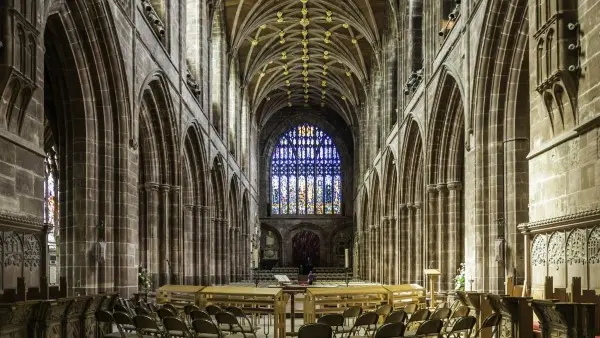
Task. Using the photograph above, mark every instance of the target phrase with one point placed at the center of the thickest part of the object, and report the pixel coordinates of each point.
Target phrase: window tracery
(306, 177)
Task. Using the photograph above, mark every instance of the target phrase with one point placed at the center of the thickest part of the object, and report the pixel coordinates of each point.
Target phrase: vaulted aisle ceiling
(305, 53)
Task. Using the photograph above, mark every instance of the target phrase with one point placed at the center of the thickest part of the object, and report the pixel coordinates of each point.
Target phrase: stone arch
(195, 210)
(411, 204)
(501, 114)
(85, 105)
(445, 176)
(158, 182)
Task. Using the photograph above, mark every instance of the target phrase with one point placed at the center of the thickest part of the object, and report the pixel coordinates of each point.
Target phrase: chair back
(428, 327)
(175, 327)
(440, 305)
(170, 307)
(164, 312)
(145, 324)
(442, 313)
(398, 316)
(384, 310)
(390, 330)
(122, 318)
(492, 320)
(103, 316)
(352, 312)
(315, 330)
(366, 319)
(332, 319)
(140, 310)
(461, 311)
(199, 314)
(213, 310)
(227, 318)
(410, 308)
(206, 326)
(236, 311)
(189, 308)
(466, 324)
(419, 316)
(120, 308)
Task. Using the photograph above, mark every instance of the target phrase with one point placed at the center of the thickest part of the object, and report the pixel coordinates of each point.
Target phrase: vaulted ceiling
(305, 53)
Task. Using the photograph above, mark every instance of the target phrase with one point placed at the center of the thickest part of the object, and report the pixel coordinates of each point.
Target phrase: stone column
(418, 245)
(392, 249)
(197, 229)
(188, 249)
(205, 231)
(384, 246)
(413, 246)
(430, 236)
(152, 222)
(454, 236)
(369, 253)
(163, 234)
(224, 262)
(403, 250)
(212, 250)
(176, 268)
(442, 235)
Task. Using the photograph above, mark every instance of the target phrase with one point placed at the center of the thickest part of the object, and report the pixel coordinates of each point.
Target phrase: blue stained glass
(305, 173)
(275, 195)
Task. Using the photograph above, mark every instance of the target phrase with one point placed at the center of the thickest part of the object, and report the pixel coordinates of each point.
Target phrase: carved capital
(441, 187)
(164, 188)
(456, 185)
(432, 189)
(418, 205)
(402, 207)
(150, 187)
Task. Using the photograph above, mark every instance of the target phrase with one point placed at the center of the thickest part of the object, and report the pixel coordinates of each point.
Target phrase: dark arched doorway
(305, 246)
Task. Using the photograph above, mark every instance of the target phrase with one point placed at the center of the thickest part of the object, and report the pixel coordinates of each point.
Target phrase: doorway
(306, 249)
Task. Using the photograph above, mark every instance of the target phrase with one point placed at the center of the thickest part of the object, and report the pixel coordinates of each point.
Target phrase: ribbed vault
(305, 53)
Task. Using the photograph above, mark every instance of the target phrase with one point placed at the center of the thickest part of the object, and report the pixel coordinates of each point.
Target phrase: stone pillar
(152, 221)
(163, 234)
(442, 236)
(204, 244)
(197, 244)
(393, 249)
(188, 249)
(212, 251)
(431, 258)
(224, 261)
(453, 241)
(369, 253)
(176, 268)
(413, 246)
(403, 250)
(419, 228)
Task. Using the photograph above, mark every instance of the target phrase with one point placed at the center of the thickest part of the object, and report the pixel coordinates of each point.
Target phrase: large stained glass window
(306, 177)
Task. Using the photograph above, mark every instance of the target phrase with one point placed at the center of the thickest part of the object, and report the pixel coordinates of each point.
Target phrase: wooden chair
(105, 317)
(176, 327)
(390, 330)
(315, 330)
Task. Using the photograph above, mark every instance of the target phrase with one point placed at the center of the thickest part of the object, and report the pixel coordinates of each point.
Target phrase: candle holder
(255, 277)
(347, 276)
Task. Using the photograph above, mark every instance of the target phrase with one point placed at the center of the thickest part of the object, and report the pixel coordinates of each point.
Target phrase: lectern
(432, 276)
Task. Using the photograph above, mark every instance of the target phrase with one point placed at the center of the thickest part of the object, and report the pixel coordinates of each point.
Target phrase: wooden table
(404, 294)
(179, 295)
(255, 301)
(292, 291)
(320, 301)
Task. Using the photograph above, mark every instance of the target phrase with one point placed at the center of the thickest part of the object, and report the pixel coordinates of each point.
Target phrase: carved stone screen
(564, 255)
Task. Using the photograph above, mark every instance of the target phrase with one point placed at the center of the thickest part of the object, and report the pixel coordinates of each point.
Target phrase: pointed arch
(374, 233)
(219, 226)
(390, 212)
(233, 236)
